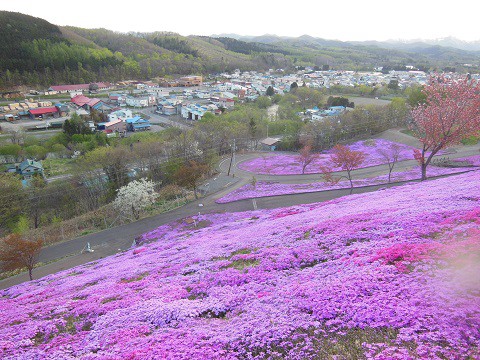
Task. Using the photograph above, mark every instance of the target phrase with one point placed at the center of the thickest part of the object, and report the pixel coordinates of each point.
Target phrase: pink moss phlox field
(472, 160)
(391, 274)
(272, 188)
(289, 164)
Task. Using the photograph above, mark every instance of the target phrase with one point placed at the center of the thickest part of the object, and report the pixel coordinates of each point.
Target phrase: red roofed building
(93, 102)
(43, 112)
(80, 100)
(79, 87)
(88, 103)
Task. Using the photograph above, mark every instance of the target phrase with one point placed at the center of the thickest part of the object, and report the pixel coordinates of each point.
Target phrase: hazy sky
(343, 20)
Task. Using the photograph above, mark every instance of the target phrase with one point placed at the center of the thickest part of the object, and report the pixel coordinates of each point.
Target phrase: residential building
(27, 169)
(193, 111)
(138, 124)
(190, 81)
(112, 126)
(140, 101)
(122, 114)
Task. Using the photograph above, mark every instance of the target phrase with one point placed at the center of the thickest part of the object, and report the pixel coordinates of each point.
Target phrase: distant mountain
(451, 42)
(439, 54)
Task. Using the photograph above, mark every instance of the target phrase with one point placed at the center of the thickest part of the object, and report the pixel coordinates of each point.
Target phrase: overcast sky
(342, 20)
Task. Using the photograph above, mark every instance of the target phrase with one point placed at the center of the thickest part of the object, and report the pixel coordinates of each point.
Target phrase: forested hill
(37, 53)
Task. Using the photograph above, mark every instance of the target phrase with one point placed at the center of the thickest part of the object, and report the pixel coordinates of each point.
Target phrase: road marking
(254, 202)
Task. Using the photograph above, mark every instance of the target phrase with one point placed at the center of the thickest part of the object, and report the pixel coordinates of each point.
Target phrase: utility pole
(232, 158)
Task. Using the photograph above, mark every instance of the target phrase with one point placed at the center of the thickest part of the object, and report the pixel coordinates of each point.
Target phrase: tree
(111, 161)
(308, 97)
(451, 112)
(270, 91)
(393, 85)
(18, 253)
(133, 198)
(189, 175)
(415, 95)
(390, 155)
(263, 102)
(17, 136)
(36, 199)
(11, 200)
(347, 160)
(305, 156)
(293, 87)
(76, 125)
(93, 87)
(339, 101)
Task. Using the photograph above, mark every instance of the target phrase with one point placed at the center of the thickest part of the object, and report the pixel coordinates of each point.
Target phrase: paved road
(165, 120)
(120, 238)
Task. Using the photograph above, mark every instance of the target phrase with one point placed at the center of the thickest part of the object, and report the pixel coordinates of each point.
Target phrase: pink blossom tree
(451, 112)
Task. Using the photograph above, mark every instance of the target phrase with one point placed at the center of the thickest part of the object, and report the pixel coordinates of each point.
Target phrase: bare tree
(391, 155)
(17, 136)
(345, 159)
(190, 174)
(306, 156)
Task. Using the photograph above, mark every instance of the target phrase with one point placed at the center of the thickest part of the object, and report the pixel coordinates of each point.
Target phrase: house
(169, 110)
(190, 81)
(63, 109)
(80, 100)
(159, 91)
(270, 144)
(27, 169)
(122, 114)
(169, 106)
(89, 104)
(112, 126)
(193, 111)
(138, 124)
(140, 101)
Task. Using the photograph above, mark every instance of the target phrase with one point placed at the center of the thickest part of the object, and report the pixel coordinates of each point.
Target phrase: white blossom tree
(134, 197)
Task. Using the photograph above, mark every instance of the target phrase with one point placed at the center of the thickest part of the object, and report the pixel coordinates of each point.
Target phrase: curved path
(111, 241)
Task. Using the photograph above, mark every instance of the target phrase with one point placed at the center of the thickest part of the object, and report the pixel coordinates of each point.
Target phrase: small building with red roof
(43, 112)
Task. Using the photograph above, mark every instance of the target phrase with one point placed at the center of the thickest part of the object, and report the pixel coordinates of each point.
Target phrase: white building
(122, 114)
(140, 101)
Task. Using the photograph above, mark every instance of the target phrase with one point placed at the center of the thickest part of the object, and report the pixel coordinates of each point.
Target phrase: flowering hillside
(290, 164)
(388, 275)
(273, 188)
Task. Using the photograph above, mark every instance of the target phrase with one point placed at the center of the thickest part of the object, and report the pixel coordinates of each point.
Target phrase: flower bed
(289, 164)
(386, 275)
(271, 188)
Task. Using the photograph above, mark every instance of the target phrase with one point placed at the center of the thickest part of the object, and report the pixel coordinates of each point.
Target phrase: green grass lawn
(407, 132)
(55, 167)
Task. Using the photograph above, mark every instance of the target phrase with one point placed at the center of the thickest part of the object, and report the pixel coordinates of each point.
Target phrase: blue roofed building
(27, 169)
(137, 123)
